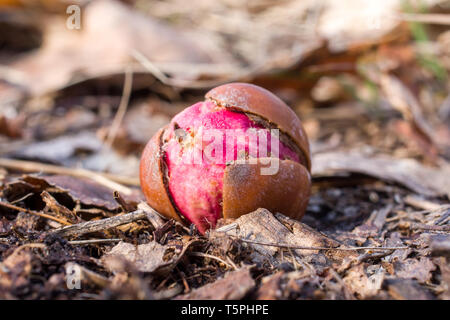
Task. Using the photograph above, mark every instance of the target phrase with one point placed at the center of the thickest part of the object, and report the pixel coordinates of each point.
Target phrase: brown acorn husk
(245, 189)
(153, 177)
(258, 101)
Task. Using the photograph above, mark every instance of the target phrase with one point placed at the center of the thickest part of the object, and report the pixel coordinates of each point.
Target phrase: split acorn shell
(244, 188)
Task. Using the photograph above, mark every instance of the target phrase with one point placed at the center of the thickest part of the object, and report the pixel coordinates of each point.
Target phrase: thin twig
(146, 63)
(205, 255)
(99, 225)
(432, 18)
(89, 275)
(93, 241)
(40, 214)
(232, 263)
(126, 207)
(421, 226)
(288, 246)
(22, 198)
(183, 279)
(109, 180)
(123, 105)
(154, 70)
(144, 212)
(29, 245)
(153, 216)
(349, 295)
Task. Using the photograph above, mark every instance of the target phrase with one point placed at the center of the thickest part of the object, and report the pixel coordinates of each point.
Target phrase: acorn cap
(152, 177)
(245, 189)
(258, 101)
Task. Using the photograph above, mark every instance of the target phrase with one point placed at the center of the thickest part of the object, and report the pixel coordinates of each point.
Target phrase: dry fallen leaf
(419, 269)
(401, 289)
(363, 285)
(85, 191)
(233, 286)
(15, 271)
(61, 150)
(407, 172)
(149, 257)
(279, 230)
(110, 32)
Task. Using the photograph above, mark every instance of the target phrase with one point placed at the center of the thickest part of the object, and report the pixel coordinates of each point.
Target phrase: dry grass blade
(123, 105)
(39, 214)
(209, 256)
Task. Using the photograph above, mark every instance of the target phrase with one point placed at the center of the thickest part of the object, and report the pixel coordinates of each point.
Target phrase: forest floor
(78, 106)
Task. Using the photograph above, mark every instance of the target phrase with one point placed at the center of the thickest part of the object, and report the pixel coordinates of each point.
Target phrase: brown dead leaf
(440, 245)
(126, 286)
(374, 20)
(270, 287)
(361, 284)
(15, 271)
(61, 150)
(419, 269)
(407, 132)
(110, 32)
(407, 172)
(444, 267)
(233, 286)
(374, 224)
(262, 226)
(11, 128)
(403, 289)
(5, 226)
(85, 191)
(58, 209)
(25, 221)
(149, 257)
(145, 257)
(88, 277)
(63, 119)
(403, 100)
(142, 122)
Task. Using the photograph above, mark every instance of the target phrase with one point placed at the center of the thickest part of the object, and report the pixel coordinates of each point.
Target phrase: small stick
(22, 198)
(227, 227)
(123, 105)
(422, 226)
(431, 18)
(155, 218)
(40, 214)
(109, 180)
(288, 246)
(185, 283)
(126, 207)
(349, 295)
(29, 245)
(93, 241)
(89, 275)
(144, 212)
(232, 263)
(99, 225)
(155, 71)
(205, 255)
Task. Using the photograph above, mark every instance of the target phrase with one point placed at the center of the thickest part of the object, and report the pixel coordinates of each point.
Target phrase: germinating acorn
(239, 150)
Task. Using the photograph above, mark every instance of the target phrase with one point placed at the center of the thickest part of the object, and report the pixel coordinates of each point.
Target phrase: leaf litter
(373, 101)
